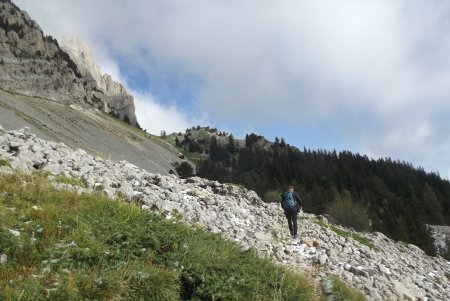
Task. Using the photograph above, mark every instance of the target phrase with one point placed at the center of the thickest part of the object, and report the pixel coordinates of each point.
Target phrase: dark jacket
(298, 201)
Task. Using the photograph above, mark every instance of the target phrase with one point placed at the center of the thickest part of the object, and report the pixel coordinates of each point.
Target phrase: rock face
(388, 271)
(32, 63)
(103, 92)
(35, 65)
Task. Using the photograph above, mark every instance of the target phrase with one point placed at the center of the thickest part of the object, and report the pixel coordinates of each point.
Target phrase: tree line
(398, 199)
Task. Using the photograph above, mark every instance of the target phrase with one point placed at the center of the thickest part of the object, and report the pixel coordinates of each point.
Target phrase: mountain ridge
(36, 65)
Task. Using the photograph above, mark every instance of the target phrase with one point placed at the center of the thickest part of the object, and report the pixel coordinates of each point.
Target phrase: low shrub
(184, 170)
(272, 196)
(343, 293)
(347, 213)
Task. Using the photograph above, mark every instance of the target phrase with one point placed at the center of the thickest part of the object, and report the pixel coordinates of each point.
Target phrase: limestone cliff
(104, 93)
(35, 65)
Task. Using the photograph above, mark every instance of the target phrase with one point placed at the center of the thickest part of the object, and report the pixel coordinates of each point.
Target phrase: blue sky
(367, 76)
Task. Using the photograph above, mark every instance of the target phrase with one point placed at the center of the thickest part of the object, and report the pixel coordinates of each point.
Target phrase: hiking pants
(291, 215)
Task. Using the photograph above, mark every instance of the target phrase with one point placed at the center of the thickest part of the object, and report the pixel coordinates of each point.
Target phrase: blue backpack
(288, 200)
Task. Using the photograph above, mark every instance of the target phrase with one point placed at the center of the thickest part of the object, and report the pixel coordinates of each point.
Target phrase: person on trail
(292, 204)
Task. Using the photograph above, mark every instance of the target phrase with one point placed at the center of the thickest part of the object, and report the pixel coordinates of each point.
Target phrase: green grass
(88, 247)
(343, 293)
(170, 138)
(4, 162)
(363, 240)
(69, 180)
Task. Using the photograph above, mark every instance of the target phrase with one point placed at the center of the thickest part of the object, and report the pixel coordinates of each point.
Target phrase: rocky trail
(382, 269)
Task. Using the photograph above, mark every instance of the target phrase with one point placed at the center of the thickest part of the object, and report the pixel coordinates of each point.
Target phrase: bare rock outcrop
(103, 92)
(35, 65)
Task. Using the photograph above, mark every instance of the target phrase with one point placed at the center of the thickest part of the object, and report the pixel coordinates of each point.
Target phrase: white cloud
(151, 115)
(157, 118)
(376, 72)
(107, 64)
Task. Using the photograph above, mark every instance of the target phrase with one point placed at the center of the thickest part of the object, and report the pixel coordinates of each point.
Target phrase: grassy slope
(62, 246)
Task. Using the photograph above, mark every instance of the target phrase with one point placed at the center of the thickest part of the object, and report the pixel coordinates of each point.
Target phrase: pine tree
(231, 147)
(185, 170)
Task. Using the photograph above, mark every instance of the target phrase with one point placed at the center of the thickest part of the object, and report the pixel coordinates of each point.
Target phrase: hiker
(292, 204)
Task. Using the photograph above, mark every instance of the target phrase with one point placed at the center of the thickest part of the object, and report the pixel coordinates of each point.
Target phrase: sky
(371, 77)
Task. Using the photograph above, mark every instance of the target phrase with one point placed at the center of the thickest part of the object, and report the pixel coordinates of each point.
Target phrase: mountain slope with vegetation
(380, 268)
(58, 245)
(382, 195)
